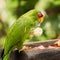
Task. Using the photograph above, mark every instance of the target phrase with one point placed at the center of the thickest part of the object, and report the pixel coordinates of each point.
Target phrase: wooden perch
(43, 54)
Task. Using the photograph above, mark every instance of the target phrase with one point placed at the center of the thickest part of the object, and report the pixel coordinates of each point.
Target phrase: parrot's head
(36, 15)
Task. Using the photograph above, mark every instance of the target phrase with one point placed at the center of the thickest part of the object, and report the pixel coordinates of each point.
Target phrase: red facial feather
(40, 15)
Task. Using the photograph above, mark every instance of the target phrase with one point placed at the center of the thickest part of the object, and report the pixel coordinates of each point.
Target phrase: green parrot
(20, 31)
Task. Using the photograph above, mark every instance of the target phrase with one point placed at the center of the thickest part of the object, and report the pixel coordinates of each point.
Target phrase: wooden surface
(48, 54)
(45, 43)
(45, 54)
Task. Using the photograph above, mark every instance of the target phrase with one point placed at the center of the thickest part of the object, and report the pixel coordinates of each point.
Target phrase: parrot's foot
(25, 48)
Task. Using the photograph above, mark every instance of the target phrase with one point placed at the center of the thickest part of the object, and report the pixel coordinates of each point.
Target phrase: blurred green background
(11, 10)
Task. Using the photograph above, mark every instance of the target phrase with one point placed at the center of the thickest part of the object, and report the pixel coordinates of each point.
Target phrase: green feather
(16, 35)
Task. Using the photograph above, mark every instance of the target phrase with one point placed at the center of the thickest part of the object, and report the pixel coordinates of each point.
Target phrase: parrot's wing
(17, 34)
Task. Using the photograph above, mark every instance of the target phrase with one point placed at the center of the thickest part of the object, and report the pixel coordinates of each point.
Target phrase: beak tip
(41, 19)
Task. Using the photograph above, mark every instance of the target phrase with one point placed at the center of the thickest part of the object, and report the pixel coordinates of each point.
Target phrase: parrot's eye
(40, 15)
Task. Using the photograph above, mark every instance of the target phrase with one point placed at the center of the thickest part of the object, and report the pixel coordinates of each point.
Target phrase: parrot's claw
(25, 48)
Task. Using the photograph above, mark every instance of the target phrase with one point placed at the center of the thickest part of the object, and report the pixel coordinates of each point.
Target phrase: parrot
(20, 30)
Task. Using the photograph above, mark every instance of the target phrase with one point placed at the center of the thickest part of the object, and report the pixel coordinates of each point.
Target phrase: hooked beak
(41, 19)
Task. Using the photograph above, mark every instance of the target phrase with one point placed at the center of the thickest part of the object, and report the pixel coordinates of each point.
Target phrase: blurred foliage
(11, 10)
(19, 7)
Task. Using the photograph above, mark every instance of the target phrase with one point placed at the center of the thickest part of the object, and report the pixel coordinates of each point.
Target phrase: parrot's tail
(6, 57)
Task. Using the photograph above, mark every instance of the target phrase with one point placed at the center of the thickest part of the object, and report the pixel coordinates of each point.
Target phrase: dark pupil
(40, 15)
